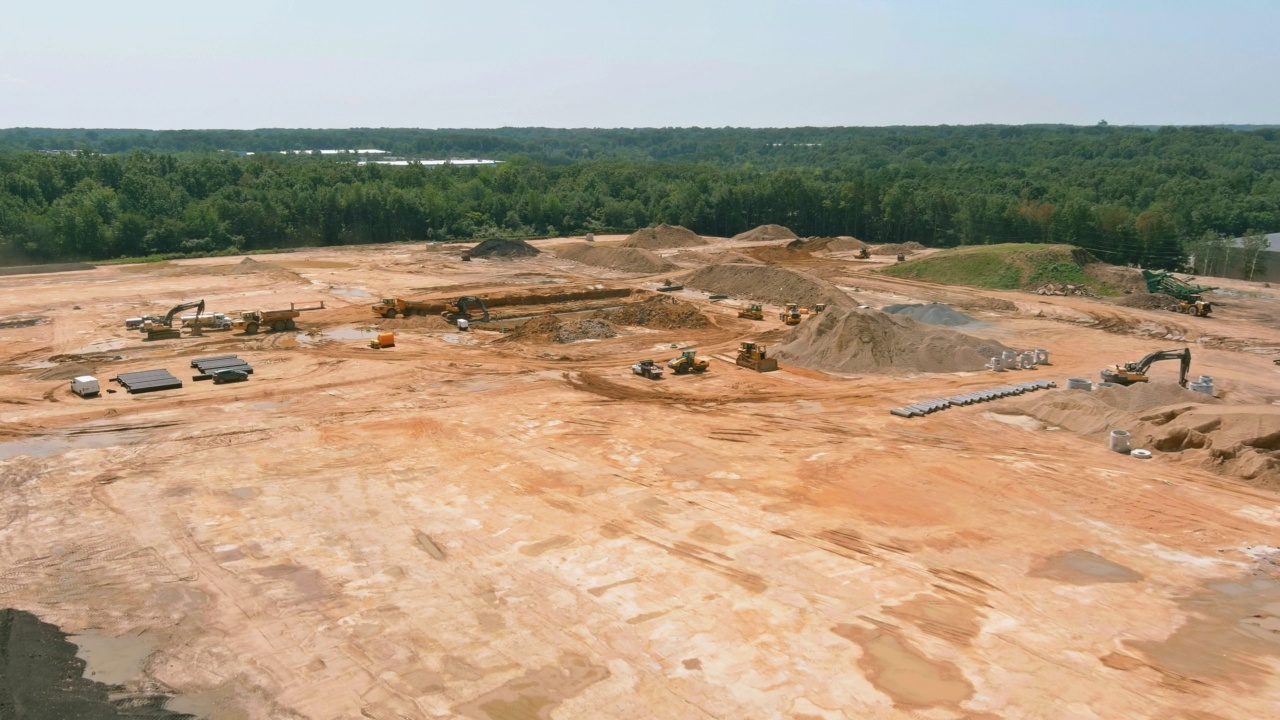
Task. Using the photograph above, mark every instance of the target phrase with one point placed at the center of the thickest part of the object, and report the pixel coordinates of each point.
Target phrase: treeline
(1128, 195)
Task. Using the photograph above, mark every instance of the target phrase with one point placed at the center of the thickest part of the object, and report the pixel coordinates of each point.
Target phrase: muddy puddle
(901, 671)
(350, 292)
(1081, 567)
(50, 445)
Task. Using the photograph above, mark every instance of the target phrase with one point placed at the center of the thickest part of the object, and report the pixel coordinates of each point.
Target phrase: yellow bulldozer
(753, 312)
(790, 315)
(687, 363)
(752, 356)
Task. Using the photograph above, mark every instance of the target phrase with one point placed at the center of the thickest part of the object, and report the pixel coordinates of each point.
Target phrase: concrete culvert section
(498, 248)
(663, 237)
(869, 341)
(764, 283)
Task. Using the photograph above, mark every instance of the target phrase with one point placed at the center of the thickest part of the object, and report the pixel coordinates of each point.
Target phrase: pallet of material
(144, 381)
(208, 366)
(196, 363)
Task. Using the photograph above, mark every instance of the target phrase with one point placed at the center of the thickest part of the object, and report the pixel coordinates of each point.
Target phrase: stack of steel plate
(145, 381)
(210, 365)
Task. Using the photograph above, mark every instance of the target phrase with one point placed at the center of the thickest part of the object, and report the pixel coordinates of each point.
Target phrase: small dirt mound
(931, 314)
(843, 243)
(499, 248)
(661, 312)
(858, 341)
(765, 283)
(663, 237)
(627, 260)
(553, 329)
(1148, 301)
(906, 248)
(724, 256)
(766, 232)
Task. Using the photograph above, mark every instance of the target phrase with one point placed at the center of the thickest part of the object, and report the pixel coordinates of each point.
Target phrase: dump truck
(390, 307)
(790, 315)
(687, 363)
(753, 312)
(1183, 290)
(753, 356)
(647, 369)
(253, 321)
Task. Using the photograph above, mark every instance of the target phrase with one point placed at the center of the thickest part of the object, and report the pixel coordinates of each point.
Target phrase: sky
(656, 63)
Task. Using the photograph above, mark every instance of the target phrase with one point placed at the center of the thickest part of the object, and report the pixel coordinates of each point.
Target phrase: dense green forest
(1136, 195)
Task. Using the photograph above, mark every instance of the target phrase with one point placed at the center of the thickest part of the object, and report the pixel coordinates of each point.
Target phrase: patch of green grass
(1004, 267)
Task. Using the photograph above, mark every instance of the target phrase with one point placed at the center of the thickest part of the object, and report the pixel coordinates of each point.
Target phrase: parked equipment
(647, 369)
(819, 307)
(254, 321)
(687, 363)
(753, 312)
(389, 307)
(790, 315)
(85, 386)
(753, 356)
(163, 328)
(1136, 372)
(863, 254)
(1199, 308)
(461, 308)
(384, 340)
(1181, 289)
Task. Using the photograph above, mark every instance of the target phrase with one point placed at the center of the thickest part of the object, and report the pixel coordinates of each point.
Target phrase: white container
(1079, 384)
(1120, 441)
(85, 386)
(462, 324)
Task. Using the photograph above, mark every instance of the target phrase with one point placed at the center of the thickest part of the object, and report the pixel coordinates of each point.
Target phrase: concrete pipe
(1120, 441)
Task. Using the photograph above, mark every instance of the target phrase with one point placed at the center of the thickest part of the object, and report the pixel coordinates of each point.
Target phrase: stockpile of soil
(906, 248)
(931, 314)
(1148, 301)
(627, 260)
(661, 311)
(1241, 441)
(663, 237)
(495, 247)
(766, 232)
(869, 341)
(553, 329)
(764, 283)
(843, 243)
(779, 254)
(1124, 279)
(724, 256)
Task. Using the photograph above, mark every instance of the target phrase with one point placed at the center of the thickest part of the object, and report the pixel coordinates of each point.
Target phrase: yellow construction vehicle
(790, 315)
(389, 307)
(819, 308)
(752, 356)
(461, 308)
(253, 321)
(753, 312)
(1136, 372)
(163, 329)
(863, 254)
(687, 363)
(1199, 308)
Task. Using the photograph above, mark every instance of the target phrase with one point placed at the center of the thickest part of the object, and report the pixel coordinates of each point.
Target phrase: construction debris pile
(906, 248)
(1063, 289)
(625, 260)
(765, 233)
(869, 341)
(499, 248)
(661, 312)
(550, 328)
(931, 314)
(764, 283)
(930, 406)
(663, 237)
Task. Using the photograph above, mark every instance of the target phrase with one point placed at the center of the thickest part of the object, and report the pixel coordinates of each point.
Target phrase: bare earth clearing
(463, 527)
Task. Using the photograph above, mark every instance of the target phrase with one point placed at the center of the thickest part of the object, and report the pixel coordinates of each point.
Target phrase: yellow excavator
(163, 329)
(1136, 372)
(461, 308)
(790, 315)
(753, 312)
(751, 355)
(687, 363)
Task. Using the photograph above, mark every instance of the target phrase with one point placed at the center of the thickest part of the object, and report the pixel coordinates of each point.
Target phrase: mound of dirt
(868, 341)
(660, 311)
(627, 260)
(931, 314)
(723, 256)
(553, 329)
(495, 247)
(662, 237)
(766, 232)
(1148, 301)
(1125, 279)
(843, 243)
(906, 248)
(765, 283)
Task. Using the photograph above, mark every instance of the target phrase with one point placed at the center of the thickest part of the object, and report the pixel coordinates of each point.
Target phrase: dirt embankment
(661, 312)
(906, 248)
(626, 260)
(869, 341)
(843, 243)
(724, 256)
(765, 283)
(499, 248)
(765, 233)
(663, 237)
(1241, 441)
(554, 329)
(1148, 301)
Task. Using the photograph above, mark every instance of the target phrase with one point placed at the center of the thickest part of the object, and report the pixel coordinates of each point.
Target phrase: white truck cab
(85, 386)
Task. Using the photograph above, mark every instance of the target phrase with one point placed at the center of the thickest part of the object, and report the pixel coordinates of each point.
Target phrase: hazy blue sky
(574, 63)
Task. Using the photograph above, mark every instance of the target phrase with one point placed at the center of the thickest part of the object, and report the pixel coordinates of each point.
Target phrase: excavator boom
(1136, 372)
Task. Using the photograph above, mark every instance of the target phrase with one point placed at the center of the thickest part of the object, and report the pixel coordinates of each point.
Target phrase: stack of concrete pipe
(1011, 360)
(936, 404)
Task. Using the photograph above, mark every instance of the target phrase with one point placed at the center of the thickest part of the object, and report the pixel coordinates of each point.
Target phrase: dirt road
(460, 527)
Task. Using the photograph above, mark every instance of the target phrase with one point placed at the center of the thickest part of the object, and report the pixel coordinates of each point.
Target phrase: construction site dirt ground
(461, 527)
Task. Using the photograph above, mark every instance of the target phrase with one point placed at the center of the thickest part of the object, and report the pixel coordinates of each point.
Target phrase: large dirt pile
(660, 311)
(906, 248)
(627, 260)
(1241, 441)
(869, 341)
(663, 237)
(496, 247)
(931, 314)
(723, 256)
(843, 243)
(766, 232)
(765, 283)
(553, 329)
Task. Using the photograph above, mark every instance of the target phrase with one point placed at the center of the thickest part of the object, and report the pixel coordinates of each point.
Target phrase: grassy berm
(1020, 267)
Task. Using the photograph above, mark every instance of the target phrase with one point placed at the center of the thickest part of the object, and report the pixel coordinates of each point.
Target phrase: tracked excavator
(461, 308)
(687, 363)
(163, 328)
(1136, 372)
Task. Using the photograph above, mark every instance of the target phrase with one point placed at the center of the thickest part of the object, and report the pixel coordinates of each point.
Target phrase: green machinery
(1180, 289)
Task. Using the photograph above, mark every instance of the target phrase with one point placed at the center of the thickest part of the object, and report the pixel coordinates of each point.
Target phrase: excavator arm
(198, 306)
(1184, 355)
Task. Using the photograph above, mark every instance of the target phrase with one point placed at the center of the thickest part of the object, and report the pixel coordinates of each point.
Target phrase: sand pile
(495, 247)
(843, 243)
(553, 329)
(661, 311)
(1148, 301)
(869, 341)
(764, 283)
(931, 314)
(906, 248)
(766, 232)
(723, 256)
(627, 260)
(662, 237)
